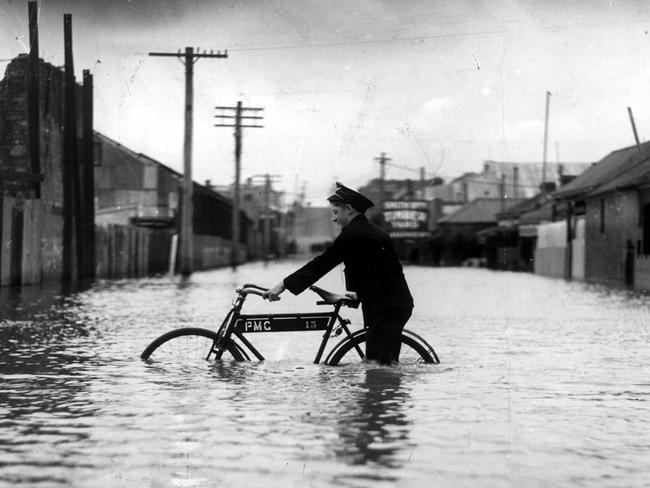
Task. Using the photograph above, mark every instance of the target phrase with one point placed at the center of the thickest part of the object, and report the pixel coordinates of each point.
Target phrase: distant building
(455, 240)
(254, 197)
(264, 206)
(313, 228)
(510, 180)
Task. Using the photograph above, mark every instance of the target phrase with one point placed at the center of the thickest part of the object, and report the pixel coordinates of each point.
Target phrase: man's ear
(348, 208)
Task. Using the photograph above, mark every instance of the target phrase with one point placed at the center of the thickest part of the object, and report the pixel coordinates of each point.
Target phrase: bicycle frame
(239, 324)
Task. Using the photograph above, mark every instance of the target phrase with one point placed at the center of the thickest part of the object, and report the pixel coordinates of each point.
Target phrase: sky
(442, 85)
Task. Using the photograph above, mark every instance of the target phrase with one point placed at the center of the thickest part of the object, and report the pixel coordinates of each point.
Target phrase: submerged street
(542, 382)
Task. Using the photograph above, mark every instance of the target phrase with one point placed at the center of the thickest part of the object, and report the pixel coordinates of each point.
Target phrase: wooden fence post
(5, 232)
(31, 269)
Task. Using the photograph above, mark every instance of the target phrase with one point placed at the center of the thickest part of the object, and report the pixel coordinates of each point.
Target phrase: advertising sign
(406, 219)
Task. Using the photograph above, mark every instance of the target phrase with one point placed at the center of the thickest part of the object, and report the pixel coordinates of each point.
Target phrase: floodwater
(542, 383)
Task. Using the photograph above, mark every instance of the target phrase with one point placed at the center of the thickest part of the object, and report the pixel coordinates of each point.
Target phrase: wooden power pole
(236, 113)
(382, 160)
(34, 97)
(636, 134)
(188, 58)
(548, 103)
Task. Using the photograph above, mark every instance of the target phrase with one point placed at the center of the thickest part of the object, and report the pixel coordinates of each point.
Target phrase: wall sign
(406, 219)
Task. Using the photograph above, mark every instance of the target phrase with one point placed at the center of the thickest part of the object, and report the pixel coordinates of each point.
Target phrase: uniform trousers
(384, 337)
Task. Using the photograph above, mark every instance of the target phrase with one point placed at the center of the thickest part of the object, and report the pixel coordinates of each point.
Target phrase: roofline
(595, 191)
(579, 192)
(138, 154)
(204, 189)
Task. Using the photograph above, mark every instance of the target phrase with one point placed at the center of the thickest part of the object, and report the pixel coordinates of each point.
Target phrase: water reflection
(548, 372)
(374, 426)
(44, 369)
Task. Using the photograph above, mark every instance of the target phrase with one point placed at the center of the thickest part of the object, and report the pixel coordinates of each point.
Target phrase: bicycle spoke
(189, 345)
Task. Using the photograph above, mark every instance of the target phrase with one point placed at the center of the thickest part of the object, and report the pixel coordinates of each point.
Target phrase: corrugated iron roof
(611, 166)
(542, 214)
(481, 210)
(635, 175)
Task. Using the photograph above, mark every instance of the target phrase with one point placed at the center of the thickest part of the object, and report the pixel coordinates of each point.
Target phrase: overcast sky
(439, 84)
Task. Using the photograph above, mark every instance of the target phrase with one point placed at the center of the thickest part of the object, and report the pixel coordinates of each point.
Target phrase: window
(602, 215)
(646, 229)
(97, 153)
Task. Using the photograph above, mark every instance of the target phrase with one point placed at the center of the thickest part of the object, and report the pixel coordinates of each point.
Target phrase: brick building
(44, 234)
(612, 198)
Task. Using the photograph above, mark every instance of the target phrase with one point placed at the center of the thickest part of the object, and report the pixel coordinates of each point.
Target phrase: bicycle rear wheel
(191, 345)
(414, 349)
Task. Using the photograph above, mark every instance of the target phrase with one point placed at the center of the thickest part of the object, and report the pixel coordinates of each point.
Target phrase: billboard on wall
(406, 219)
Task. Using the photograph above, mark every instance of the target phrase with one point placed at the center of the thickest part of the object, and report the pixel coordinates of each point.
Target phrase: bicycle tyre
(414, 349)
(190, 344)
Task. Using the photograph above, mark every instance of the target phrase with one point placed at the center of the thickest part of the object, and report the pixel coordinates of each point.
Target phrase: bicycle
(229, 341)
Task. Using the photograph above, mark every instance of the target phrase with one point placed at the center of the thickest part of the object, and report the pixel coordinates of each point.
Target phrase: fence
(31, 237)
(30, 233)
(131, 252)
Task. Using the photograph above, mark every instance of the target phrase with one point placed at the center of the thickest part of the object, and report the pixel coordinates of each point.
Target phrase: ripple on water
(535, 373)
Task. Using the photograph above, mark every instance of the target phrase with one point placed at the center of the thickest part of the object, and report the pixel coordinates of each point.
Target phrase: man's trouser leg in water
(385, 332)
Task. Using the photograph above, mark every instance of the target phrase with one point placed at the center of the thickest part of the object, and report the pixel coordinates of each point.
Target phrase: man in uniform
(372, 271)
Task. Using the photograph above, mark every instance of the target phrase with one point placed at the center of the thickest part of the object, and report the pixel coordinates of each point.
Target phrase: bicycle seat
(330, 298)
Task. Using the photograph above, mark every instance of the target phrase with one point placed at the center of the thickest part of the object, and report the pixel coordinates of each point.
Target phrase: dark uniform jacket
(372, 269)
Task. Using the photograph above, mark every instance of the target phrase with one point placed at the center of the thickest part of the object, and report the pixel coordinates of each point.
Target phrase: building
(505, 179)
(46, 169)
(611, 200)
(311, 229)
(265, 207)
(133, 189)
(456, 239)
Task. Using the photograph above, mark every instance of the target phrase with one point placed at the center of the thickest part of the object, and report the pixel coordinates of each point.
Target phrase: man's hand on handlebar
(273, 294)
(352, 295)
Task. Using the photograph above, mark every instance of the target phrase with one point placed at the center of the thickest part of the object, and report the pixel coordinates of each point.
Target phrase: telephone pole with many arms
(188, 58)
(238, 125)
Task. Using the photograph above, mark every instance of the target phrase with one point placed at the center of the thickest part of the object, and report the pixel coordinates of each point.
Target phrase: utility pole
(187, 234)
(33, 98)
(88, 176)
(548, 103)
(382, 159)
(636, 135)
(237, 115)
(422, 182)
(70, 160)
(267, 215)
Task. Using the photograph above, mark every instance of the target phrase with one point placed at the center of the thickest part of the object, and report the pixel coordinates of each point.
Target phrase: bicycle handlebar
(328, 297)
(248, 289)
(251, 285)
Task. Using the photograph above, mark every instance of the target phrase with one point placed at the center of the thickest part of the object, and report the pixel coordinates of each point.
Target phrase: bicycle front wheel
(414, 349)
(192, 345)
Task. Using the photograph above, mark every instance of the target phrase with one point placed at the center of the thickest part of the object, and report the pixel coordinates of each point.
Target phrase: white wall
(550, 253)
